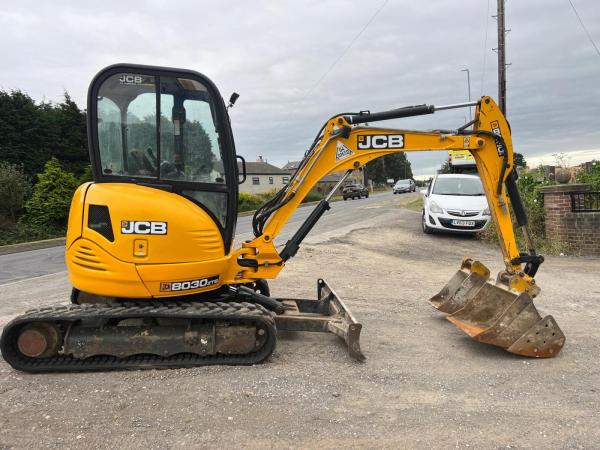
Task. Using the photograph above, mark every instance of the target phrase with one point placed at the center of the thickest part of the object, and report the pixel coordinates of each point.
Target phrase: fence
(585, 201)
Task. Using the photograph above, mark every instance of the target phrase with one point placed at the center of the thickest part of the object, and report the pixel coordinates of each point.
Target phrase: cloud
(273, 54)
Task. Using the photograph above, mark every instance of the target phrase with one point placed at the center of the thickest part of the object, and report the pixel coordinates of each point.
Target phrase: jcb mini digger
(158, 281)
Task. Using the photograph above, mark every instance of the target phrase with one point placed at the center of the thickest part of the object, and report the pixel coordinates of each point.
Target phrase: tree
(30, 133)
(519, 160)
(446, 167)
(395, 166)
(14, 189)
(49, 204)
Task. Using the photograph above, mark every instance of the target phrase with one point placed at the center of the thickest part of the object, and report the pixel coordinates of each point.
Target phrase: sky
(295, 64)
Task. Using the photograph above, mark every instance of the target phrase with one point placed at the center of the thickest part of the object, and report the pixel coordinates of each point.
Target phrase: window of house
(286, 180)
(255, 180)
(270, 180)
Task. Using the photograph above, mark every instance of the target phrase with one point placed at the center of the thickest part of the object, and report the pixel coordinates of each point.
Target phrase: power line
(339, 58)
(584, 28)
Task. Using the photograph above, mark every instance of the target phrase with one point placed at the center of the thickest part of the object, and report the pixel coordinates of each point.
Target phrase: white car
(455, 203)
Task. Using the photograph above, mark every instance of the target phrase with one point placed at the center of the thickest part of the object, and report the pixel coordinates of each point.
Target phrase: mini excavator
(158, 281)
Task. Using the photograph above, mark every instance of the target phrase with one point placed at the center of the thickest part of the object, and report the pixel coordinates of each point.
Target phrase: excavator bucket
(493, 313)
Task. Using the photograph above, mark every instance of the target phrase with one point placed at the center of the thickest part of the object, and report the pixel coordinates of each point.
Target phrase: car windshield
(458, 186)
(402, 182)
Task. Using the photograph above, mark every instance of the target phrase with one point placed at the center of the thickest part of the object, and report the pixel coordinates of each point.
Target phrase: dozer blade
(327, 314)
(495, 314)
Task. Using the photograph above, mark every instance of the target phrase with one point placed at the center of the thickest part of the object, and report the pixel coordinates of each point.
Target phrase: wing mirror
(423, 191)
(232, 100)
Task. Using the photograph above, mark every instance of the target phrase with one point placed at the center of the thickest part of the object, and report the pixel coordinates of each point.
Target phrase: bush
(248, 202)
(28, 232)
(251, 202)
(49, 204)
(15, 187)
(312, 197)
(529, 185)
(591, 176)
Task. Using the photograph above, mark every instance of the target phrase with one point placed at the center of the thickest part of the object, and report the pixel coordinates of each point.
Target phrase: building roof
(291, 165)
(262, 168)
(254, 168)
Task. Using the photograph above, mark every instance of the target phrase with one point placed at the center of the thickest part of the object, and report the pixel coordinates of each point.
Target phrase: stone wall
(580, 230)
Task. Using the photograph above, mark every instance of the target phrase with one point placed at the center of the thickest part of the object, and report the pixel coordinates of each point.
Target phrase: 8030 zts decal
(379, 141)
(175, 286)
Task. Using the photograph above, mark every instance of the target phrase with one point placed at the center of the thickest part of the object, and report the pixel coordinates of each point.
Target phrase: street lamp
(469, 90)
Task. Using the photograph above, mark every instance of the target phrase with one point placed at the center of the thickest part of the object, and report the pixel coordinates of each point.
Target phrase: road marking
(32, 278)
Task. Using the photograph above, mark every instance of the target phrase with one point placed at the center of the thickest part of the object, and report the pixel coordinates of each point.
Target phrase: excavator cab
(168, 130)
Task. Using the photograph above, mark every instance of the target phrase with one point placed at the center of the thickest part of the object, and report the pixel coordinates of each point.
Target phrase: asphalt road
(35, 263)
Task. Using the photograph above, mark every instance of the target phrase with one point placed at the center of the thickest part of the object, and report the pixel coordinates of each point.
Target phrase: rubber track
(230, 311)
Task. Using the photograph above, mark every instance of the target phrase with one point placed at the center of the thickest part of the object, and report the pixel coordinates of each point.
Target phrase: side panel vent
(99, 221)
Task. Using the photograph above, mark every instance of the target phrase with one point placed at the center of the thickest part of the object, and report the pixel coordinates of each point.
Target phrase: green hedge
(251, 202)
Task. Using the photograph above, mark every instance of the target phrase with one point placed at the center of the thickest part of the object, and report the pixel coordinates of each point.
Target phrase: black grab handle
(407, 111)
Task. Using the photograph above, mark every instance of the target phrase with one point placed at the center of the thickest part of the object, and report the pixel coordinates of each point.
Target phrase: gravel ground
(424, 384)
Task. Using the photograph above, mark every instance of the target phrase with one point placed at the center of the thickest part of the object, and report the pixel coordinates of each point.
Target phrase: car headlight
(435, 208)
(486, 212)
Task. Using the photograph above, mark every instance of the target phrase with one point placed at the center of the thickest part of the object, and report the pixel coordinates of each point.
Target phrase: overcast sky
(275, 52)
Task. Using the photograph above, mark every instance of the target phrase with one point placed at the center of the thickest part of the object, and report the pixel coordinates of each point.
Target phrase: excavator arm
(499, 312)
(346, 145)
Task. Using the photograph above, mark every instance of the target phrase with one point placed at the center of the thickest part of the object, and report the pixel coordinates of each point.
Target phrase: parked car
(455, 203)
(355, 191)
(402, 186)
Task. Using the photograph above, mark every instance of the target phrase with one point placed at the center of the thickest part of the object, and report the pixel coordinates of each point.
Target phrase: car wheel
(424, 226)
(345, 198)
(367, 196)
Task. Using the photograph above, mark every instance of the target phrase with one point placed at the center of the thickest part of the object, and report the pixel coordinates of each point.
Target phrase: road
(35, 263)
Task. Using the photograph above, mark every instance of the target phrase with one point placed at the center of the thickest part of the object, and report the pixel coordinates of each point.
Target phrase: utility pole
(501, 58)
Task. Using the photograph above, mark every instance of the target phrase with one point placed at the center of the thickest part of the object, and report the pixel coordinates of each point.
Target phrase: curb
(35, 245)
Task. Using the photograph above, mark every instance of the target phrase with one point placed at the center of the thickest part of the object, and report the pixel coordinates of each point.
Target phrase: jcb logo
(496, 130)
(380, 141)
(143, 227)
(130, 79)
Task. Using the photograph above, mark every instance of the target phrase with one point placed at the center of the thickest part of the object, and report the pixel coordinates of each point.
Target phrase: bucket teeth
(495, 314)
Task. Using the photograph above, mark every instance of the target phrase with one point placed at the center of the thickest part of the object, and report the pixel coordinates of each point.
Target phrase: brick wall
(580, 230)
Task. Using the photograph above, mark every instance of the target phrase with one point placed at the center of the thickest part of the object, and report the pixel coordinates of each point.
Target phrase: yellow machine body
(144, 265)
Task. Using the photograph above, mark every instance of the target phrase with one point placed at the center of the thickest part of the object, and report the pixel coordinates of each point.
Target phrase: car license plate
(463, 223)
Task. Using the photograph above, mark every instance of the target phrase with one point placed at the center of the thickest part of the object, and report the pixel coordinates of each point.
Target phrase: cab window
(183, 145)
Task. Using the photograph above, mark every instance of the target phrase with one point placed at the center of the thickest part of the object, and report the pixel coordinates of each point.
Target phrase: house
(263, 177)
(328, 182)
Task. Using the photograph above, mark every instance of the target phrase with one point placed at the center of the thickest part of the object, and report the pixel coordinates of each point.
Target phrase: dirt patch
(424, 384)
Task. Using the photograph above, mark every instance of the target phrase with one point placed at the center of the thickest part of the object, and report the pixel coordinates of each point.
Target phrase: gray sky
(274, 52)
